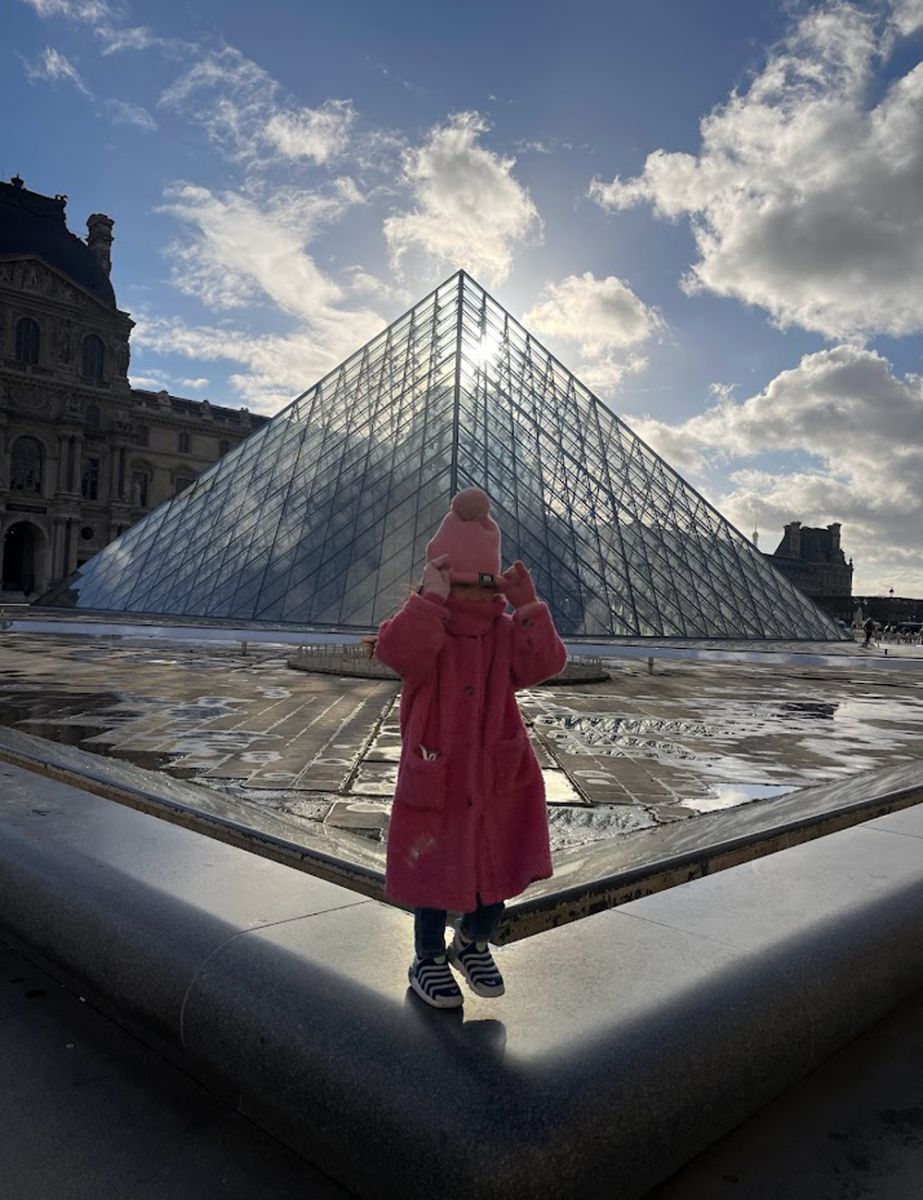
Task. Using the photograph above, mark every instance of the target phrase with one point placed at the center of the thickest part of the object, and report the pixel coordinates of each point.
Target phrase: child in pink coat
(469, 828)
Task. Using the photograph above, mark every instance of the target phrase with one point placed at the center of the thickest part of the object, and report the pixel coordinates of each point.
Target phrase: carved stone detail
(64, 340)
(78, 420)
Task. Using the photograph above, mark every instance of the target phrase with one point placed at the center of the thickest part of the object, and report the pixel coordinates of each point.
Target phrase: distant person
(469, 827)
(869, 628)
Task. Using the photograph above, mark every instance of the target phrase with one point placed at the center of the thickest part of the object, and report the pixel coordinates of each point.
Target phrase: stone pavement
(89, 1112)
(627, 1042)
(638, 751)
(851, 1130)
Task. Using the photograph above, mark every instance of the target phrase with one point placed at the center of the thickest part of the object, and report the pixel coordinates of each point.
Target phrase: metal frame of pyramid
(322, 516)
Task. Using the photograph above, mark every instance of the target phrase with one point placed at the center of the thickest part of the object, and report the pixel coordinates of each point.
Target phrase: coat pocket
(509, 759)
(422, 783)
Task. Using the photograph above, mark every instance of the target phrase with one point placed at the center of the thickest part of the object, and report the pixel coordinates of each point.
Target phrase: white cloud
(117, 38)
(804, 198)
(599, 319)
(123, 113)
(242, 250)
(227, 94)
(380, 150)
(363, 283)
(238, 105)
(470, 211)
(278, 366)
(315, 133)
(74, 10)
(102, 14)
(149, 383)
(158, 381)
(603, 374)
(597, 314)
(861, 423)
(54, 67)
(908, 16)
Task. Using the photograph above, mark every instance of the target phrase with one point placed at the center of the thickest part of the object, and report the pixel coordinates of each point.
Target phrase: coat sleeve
(409, 642)
(538, 652)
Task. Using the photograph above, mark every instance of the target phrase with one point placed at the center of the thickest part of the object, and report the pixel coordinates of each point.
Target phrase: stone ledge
(587, 879)
(627, 1042)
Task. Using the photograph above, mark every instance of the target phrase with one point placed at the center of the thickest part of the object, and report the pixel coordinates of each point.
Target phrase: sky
(710, 211)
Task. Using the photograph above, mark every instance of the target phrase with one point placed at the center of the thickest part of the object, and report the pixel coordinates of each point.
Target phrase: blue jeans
(429, 927)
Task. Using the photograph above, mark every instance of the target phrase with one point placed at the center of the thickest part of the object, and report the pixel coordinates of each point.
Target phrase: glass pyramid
(322, 516)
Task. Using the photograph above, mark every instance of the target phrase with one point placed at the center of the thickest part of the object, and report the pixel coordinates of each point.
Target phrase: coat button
(469, 690)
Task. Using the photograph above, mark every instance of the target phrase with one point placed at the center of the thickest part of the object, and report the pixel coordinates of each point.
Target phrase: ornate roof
(34, 224)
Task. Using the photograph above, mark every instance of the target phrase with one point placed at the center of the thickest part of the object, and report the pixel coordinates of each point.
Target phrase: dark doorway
(19, 554)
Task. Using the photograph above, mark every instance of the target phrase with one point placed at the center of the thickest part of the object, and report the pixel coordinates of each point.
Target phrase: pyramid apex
(461, 274)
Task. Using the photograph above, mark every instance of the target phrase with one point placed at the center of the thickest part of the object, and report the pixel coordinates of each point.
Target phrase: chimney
(834, 531)
(793, 539)
(99, 239)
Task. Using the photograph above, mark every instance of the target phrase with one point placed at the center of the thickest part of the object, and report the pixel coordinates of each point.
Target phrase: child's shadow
(483, 1037)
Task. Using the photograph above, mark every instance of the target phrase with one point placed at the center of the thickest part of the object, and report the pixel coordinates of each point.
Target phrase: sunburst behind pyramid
(322, 516)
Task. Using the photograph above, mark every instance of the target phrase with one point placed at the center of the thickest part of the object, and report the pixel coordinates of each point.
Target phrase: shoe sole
(437, 1001)
(477, 988)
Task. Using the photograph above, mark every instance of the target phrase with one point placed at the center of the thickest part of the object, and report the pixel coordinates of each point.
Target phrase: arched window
(26, 466)
(27, 335)
(93, 416)
(182, 442)
(94, 353)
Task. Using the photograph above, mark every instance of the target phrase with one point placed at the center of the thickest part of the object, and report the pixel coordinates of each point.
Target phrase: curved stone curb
(330, 853)
(627, 1042)
(587, 879)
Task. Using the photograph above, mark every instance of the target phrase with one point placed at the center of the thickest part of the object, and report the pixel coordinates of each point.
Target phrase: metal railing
(334, 658)
(352, 658)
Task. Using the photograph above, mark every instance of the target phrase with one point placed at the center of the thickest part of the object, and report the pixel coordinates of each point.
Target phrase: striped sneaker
(433, 981)
(476, 963)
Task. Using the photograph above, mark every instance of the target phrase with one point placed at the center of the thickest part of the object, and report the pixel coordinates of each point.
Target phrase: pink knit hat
(470, 538)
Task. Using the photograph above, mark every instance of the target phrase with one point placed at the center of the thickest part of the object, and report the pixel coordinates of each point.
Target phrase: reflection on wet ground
(635, 751)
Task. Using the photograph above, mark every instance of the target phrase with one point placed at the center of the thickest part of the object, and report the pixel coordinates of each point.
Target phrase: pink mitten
(436, 578)
(520, 590)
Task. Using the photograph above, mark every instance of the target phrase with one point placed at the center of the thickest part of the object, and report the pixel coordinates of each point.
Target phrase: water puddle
(634, 753)
(729, 795)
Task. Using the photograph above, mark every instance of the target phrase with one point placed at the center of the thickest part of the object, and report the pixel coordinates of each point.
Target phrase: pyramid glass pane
(323, 515)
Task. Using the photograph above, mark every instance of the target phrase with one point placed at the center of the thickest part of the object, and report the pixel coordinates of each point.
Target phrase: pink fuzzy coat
(472, 821)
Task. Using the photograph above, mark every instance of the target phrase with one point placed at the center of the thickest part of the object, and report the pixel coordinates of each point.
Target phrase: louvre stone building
(83, 455)
(813, 560)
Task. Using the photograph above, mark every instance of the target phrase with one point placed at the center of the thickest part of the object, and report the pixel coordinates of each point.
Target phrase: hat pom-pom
(472, 504)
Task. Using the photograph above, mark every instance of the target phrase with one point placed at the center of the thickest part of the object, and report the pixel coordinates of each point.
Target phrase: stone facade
(83, 455)
(813, 561)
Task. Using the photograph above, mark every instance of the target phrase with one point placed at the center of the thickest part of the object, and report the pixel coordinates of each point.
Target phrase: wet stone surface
(635, 751)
